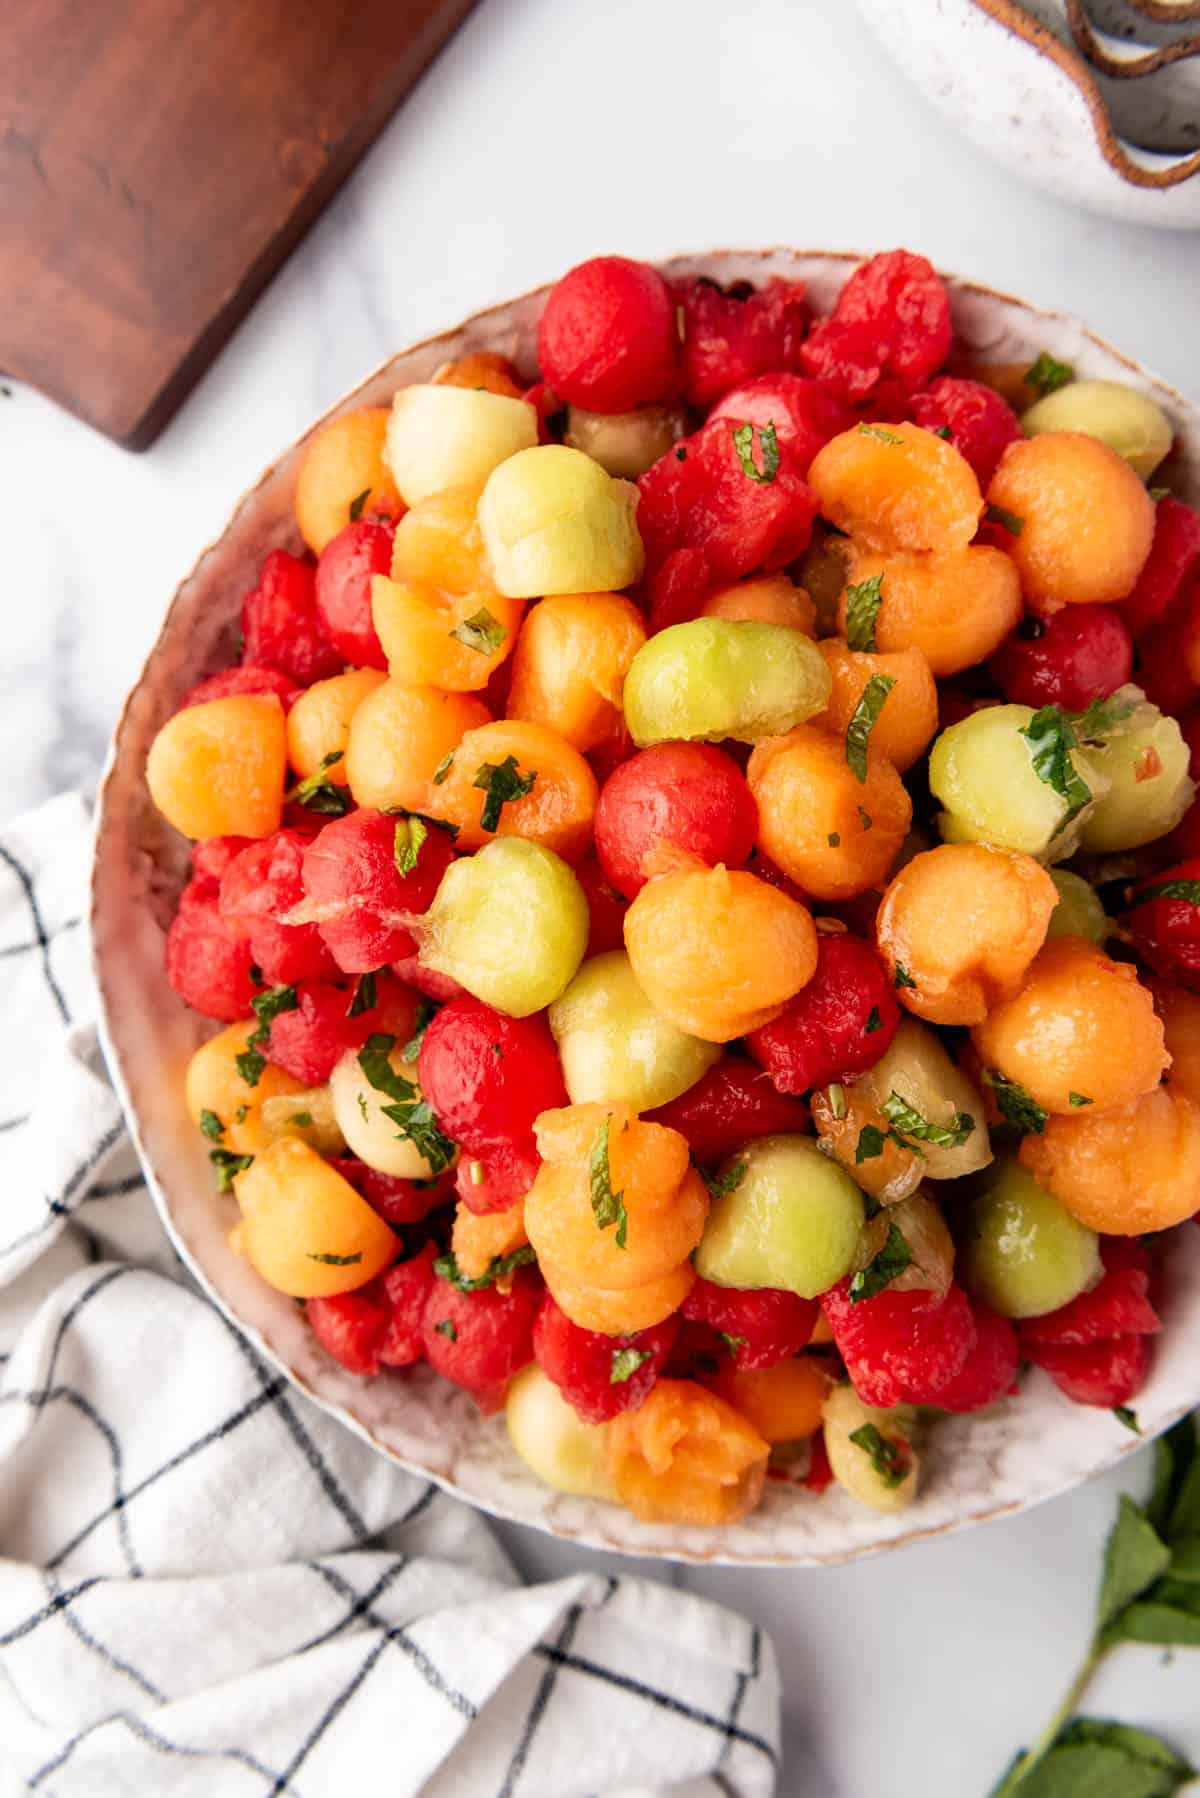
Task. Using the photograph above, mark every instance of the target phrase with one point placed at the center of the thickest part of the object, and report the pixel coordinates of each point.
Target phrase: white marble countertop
(546, 133)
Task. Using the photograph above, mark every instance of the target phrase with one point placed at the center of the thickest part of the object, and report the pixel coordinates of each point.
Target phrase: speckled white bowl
(1022, 94)
(977, 1468)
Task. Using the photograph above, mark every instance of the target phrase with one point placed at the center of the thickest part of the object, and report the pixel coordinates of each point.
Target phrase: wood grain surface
(158, 161)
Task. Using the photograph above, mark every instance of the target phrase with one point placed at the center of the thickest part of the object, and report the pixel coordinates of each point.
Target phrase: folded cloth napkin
(208, 1586)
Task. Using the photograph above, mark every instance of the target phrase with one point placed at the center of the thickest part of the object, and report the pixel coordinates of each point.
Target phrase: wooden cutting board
(158, 161)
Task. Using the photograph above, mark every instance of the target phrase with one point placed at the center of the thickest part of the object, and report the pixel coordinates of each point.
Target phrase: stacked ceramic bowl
(1098, 100)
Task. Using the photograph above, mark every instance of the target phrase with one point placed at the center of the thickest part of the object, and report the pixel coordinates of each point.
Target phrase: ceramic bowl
(978, 1468)
(1011, 77)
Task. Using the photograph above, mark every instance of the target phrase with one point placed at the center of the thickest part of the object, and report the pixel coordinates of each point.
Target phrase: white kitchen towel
(208, 1587)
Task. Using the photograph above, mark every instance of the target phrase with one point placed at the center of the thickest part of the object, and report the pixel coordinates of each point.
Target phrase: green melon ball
(791, 1219)
(1022, 1252)
(615, 1048)
(713, 678)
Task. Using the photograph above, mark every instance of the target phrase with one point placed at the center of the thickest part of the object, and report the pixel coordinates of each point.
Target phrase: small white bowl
(976, 1468)
(1021, 94)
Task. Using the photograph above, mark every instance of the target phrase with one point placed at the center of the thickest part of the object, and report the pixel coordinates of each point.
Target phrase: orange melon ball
(1126, 1171)
(646, 1166)
(897, 487)
(478, 1237)
(556, 811)
(432, 638)
(1081, 1033)
(481, 368)
(909, 719)
(764, 599)
(1087, 520)
(570, 664)
(955, 608)
(318, 724)
(218, 769)
(399, 737)
(1180, 1013)
(213, 1083)
(964, 922)
(834, 835)
(439, 542)
(783, 1403)
(718, 951)
(304, 1228)
(685, 1456)
(613, 1311)
(343, 466)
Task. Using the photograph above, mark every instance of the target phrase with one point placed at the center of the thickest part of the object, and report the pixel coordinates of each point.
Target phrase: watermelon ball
(990, 1370)
(356, 892)
(1118, 1305)
(805, 414)
(1165, 926)
(309, 1040)
(607, 339)
(975, 419)
(901, 1348)
(479, 1340)
(1106, 1374)
(396, 1200)
(281, 625)
(230, 683)
(729, 1106)
(488, 1075)
(752, 1329)
(837, 1026)
(889, 332)
(1174, 558)
(343, 589)
(378, 1325)
(687, 796)
(733, 334)
(497, 1177)
(1082, 653)
(600, 1375)
(260, 886)
(606, 909)
(208, 963)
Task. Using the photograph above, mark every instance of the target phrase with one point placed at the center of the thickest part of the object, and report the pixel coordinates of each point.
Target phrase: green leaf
(406, 847)
(365, 995)
(320, 794)
(1047, 374)
(250, 1065)
(1007, 520)
(1161, 1624)
(883, 1452)
(1174, 1457)
(608, 1207)
(1098, 1769)
(887, 1265)
(1018, 1107)
(302, 1119)
(357, 504)
(374, 1062)
(874, 1022)
(498, 1268)
(1185, 1559)
(481, 632)
(944, 431)
(427, 1010)
(338, 1260)
(211, 1125)
(1078, 1099)
(833, 839)
(768, 443)
(226, 1164)
(1099, 719)
(883, 435)
(417, 1124)
(1135, 1555)
(908, 1123)
(443, 768)
(268, 1006)
(1138, 1743)
(864, 817)
(1168, 889)
(1124, 1415)
(870, 1143)
(445, 1327)
(720, 1184)
(1050, 734)
(625, 1363)
(863, 721)
(863, 600)
(502, 782)
(902, 977)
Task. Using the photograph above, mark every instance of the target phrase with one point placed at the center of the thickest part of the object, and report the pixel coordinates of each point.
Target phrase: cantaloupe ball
(1124, 1171)
(685, 1456)
(213, 1083)
(218, 769)
(304, 1228)
(344, 467)
(956, 608)
(318, 725)
(400, 737)
(897, 487)
(909, 720)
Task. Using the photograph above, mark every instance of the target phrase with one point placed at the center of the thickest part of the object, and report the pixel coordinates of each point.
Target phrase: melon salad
(697, 877)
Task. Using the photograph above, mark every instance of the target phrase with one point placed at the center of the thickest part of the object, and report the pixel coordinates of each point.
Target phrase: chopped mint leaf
(608, 1207)
(410, 835)
(870, 1143)
(863, 600)
(883, 1453)
(625, 1363)
(1008, 521)
(886, 1266)
(1017, 1107)
(908, 1123)
(768, 443)
(226, 1164)
(427, 1010)
(303, 1119)
(720, 1184)
(365, 995)
(443, 768)
(902, 977)
(863, 720)
(1048, 374)
(498, 1268)
(357, 504)
(338, 1260)
(1129, 1418)
(502, 782)
(732, 1343)
(211, 1125)
(481, 632)
(445, 1327)
(1079, 1099)
(874, 1021)
(879, 431)
(317, 793)
(834, 839)
(1187, 890)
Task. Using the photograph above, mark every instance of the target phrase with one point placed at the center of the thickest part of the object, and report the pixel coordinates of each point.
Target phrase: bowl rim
(766, 260)
(1020, 24)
